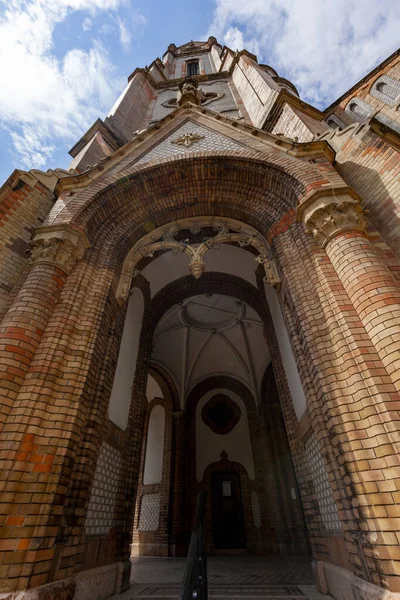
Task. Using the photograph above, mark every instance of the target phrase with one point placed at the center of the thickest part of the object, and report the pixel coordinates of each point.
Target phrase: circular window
(221, 414)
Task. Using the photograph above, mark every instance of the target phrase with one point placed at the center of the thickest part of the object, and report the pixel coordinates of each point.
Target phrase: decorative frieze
(61, 246)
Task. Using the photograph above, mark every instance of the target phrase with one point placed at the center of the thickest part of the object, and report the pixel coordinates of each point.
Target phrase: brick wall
(22, 208)
(371, 166)
(59, 399)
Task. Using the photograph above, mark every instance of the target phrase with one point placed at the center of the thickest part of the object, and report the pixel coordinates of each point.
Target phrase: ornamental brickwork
(224, 184)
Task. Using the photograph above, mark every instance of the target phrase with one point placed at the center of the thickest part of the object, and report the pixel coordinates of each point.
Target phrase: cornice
(385, 132)
(48, 179)
(285, 145)
(361, 82)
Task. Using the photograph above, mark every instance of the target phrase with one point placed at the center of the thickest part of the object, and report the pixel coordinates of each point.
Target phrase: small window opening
(193, 68)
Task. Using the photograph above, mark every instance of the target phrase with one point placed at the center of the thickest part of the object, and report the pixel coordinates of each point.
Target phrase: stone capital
(327, 213)
(58, 245)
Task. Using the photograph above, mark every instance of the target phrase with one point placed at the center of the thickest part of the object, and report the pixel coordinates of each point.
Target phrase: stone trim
(342, 584)
(326, 216)
(61, 246)
(227, 231)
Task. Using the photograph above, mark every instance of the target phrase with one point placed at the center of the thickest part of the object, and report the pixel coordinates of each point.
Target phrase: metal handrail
(194, 583)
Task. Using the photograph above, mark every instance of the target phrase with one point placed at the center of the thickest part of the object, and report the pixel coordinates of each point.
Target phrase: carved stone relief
(329, 220)
(225, 231)
(187, 139)
(60, 246)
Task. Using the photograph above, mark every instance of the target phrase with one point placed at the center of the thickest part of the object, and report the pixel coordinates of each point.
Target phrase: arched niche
(118, 408)
(288, 360)
(153, 463)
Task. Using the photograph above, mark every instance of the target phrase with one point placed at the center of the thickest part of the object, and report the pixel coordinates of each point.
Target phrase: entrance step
(221, 592)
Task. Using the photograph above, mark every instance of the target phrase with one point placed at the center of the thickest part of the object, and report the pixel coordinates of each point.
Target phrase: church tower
(206, 304)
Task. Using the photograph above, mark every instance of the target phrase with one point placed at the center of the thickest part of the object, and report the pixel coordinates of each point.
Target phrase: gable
(190, 137)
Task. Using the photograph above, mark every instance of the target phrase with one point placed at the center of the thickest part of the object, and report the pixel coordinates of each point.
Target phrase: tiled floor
(247, 577)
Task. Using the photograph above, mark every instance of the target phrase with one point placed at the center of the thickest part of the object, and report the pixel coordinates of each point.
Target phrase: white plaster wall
(236, 444)
(153, 390)
(154, 446)
(228, 259)
(118, 409)
(289, 364)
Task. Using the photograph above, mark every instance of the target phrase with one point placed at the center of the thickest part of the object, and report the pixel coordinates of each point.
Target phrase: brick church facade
(208, 299)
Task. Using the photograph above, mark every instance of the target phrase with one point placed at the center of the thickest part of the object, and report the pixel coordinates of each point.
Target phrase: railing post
(194, 583)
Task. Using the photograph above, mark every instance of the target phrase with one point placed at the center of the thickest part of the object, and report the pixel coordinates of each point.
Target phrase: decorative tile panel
(209, 142)
(100, 514)
(149, 512)
(322, 488)
(390, 94)
(361, 111)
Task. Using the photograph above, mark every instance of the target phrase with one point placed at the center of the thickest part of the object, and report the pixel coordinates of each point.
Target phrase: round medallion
(221, 414)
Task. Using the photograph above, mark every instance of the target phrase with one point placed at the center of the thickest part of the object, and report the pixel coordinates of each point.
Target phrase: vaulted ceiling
(211, 334)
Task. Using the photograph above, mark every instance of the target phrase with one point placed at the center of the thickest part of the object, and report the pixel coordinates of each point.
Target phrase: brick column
(353, 408)
(337, 223)
(54, 253)
(27, 440)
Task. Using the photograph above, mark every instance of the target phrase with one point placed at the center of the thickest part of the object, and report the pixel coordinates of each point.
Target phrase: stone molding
(325, 215)
(61, 246)
(227, 231)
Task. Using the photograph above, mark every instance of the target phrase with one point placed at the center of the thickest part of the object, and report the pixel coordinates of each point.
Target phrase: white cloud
(125, 35)
(136, 22)
(87, 24)
(44, 98)
(138, 19)
(322, 46)
(31, 147)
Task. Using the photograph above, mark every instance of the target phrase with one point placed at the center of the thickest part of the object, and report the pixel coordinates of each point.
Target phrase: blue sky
(63, 63)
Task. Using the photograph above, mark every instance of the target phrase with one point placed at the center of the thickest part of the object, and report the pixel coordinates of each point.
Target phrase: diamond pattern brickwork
(100, 514)
(323, 492)
(149, 512)
(211, 141)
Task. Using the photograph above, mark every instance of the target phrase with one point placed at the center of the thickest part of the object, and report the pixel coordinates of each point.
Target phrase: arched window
(386, 89)
(154, 446)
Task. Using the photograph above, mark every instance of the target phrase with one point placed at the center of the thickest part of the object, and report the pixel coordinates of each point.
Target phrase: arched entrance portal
(213, 349)
(79, 305)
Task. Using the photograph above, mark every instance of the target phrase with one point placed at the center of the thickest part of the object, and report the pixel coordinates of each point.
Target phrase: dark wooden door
(227, 511)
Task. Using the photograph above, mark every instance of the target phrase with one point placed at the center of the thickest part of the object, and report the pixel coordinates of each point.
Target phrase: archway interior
(209, 430)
